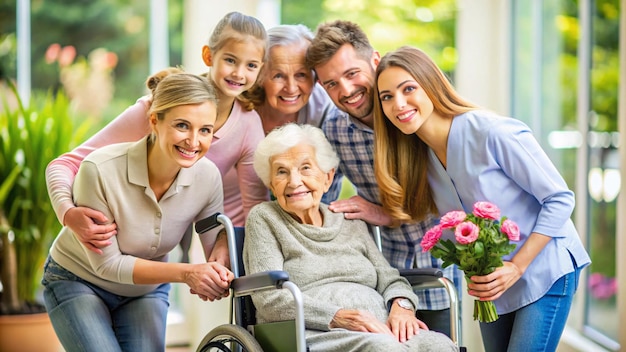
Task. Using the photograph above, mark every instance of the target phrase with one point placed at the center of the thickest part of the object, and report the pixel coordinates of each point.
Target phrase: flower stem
(485, 311)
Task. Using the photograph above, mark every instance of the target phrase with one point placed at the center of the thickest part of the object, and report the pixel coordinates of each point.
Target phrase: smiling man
(345, 64)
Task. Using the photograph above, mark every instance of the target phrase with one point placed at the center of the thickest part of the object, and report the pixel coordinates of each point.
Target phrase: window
(552, 40)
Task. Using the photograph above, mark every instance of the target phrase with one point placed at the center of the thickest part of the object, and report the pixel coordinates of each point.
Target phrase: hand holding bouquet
(481, 239)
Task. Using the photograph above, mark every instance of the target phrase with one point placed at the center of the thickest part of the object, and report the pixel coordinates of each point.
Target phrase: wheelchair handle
(208, 223)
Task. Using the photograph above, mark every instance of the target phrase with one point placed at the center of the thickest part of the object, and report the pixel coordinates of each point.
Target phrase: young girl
(153, 189)
(435, 151)
(236, 52)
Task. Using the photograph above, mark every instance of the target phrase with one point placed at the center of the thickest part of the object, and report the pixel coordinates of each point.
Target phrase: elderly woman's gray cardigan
(336, 266)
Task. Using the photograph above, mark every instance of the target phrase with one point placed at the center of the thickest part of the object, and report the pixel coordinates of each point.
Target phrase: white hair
(287, 34)
(283, 138)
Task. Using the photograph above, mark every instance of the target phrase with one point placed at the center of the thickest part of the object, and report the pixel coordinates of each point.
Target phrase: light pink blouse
(232, 151)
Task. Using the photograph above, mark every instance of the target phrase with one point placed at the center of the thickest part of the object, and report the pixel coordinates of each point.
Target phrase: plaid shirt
(354, 143)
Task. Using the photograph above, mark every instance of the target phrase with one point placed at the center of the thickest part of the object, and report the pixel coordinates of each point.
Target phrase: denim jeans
(87, 318)
(537, 326)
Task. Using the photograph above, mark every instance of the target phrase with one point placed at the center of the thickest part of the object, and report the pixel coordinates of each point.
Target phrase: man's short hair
(331, 36)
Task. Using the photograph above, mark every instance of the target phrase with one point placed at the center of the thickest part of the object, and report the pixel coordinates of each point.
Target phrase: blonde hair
(173, 87)
(241, 24)
(401, 161)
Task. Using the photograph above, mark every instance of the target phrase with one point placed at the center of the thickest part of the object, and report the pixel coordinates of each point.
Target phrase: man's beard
(362, 111)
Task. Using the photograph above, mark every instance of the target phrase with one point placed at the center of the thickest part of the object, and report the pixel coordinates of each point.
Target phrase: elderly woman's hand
(357, 207)
(210, 281)
(403, 323)
(358, 320)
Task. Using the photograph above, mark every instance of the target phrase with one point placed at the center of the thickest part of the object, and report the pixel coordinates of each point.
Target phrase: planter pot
(28, 333)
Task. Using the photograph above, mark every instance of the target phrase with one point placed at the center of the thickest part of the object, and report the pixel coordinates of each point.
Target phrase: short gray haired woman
(287, 137)
(353, 299)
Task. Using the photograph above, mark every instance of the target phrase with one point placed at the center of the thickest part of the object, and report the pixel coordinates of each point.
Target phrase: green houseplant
(30, 137)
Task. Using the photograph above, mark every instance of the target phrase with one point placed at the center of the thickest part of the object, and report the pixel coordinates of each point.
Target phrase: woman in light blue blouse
(437, 152)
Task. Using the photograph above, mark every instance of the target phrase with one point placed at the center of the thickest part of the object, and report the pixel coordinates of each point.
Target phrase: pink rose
(431, 237)
(510, 228)
(67, 55)
(111, 60)
(486, 210)
(466, 232)
(451, 219)
(52, 53)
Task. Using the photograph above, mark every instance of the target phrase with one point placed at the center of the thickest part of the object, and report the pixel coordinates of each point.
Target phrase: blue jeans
(87, 318)
(537, 326)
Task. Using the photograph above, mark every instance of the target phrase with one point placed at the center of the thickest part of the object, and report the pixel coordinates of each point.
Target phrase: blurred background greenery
(122, 27)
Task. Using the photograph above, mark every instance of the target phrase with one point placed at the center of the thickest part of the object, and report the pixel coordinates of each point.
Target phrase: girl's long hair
(401, 161)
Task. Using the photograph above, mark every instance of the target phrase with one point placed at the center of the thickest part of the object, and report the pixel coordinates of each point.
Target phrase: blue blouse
(497, 159)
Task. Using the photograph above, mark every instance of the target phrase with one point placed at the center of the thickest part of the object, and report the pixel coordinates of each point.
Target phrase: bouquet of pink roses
(482, 238)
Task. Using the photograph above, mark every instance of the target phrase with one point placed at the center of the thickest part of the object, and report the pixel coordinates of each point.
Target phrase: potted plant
(30, 137)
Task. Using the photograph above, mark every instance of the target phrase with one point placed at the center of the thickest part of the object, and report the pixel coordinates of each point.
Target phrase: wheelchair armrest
(421, 275)
(247, 284)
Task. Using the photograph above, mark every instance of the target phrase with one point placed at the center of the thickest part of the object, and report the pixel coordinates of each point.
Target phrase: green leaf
(30, 137)
(479, 249)
(7, 184)
(460, 247)
(448, 245)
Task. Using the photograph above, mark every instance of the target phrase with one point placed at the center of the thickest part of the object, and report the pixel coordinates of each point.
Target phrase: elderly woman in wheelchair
(353, 299)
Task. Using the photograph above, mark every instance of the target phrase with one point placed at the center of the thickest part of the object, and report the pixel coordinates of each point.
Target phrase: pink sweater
(232, 151)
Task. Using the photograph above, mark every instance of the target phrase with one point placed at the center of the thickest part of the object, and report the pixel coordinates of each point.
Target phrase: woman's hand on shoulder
(90, 227)
(403, 323)
(356, 207)
(358, 320)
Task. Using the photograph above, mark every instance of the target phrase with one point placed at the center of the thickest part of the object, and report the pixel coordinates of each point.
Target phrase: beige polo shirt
(114, 180)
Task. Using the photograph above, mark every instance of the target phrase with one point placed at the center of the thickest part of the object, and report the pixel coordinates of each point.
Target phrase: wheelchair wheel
(229, 338)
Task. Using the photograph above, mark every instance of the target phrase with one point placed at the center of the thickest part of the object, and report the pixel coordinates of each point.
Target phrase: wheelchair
(289, 336)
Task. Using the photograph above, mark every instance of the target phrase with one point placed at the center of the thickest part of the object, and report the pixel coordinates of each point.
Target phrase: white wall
(483, 37)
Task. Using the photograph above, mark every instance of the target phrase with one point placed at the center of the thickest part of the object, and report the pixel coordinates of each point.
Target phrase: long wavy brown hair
(400, 160)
